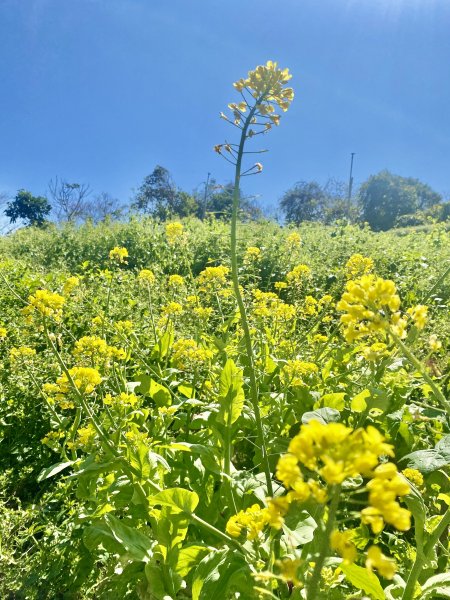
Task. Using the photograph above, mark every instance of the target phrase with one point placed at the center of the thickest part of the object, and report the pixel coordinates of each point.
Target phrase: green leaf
(215, 575)
(119, 538)
(443, 447)
(149, 387)
(189, 557)
(231, 393)
(323, 415)
(53, 470)
(299, 528)
(437, 586)
(363, 579)
(186, 390)
(178, 499)
(335, 400)
(425, 461)
(359, 403)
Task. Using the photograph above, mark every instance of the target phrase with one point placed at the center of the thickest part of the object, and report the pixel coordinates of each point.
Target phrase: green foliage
(385, 197)
(32, 210)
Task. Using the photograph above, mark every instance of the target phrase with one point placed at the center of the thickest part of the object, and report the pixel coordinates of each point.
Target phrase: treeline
(384, 201)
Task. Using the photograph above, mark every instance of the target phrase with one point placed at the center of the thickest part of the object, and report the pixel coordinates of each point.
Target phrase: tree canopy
(32, 210)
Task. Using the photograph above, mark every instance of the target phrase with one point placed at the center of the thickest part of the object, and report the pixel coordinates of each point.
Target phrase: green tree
(385, 197)
(159, 197)
(32, 210)
(220, 203)
(306, 201)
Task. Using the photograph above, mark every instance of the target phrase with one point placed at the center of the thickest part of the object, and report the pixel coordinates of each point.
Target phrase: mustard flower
(175, 281)
(70, 284)
(377, 560)
(174, 233)
(118, 254)
(48, 304)
(419, 315)
(341, 541)
(86, 379)
(358, 265)
(298, 275)
(294, 239)
(414, 476)
(434, 343)
(146, 276)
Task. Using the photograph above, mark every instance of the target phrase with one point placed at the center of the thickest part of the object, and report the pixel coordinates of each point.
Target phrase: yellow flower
(85, 379)
(295, 372)
(70, 284)
(118, 254)
(252, 253)
(414, 476)
(3, 332)
(175, 281)
(280, 285)
(23, 352)
(172, 309)
(298, 275)
(85, 438)
(187, 354)
(213, 276)
(174, 233)
(434, 343)
(146, 276)
(341, 541)
(288, 568)
(419, 315)
(48, 304)
(358, 265)
(377, 560)
(294, 239)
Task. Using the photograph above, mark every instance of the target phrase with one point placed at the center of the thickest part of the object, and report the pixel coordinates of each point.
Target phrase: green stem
(420, 367)
(423, 557)
(241, 305)
(313, 585)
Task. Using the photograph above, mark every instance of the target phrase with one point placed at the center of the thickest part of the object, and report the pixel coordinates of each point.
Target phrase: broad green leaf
(443, 447)
(424, 461)
(359, 403)
(163, 345)
(159, 393)
(186, 390)
(172, 526)
(299, 528)
(53, 470)
(178, 499)
(119, 538)
(335, 400)
(231, 393)
(189, 557)
(363, 579)
(323, 415)
(437, 586)
(215, 574)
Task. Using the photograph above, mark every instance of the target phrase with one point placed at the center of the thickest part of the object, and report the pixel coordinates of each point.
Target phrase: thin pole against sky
(350, 183)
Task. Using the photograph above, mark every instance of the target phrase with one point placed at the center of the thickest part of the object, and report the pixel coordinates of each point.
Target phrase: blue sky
(100, 91)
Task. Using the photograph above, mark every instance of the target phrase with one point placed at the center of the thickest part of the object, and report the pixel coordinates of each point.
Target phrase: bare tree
(104, 206)
(69, 200)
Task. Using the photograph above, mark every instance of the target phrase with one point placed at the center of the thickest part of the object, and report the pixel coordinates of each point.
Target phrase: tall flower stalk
(262, 92)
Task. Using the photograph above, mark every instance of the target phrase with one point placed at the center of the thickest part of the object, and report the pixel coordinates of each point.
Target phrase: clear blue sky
(100, 91)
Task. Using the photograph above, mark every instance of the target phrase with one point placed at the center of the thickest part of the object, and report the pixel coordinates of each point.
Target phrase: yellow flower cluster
(434, 343)
(3, 332)
(213, 276)
(253, 253)
(266, 83)
(384, 488)
(295, 372)
(253, 520)
(419, 315)
(377, 560)
(341, 542)
(48, 304)
(146, 276)
(371, 306)
(375, 352)
(123, 399)
(294, 239)
(298, 275)
(92, 350)
(187, 354)
(118, 254)
(414, 476)
(70, 284)
(85, 438)
(23, 353)
(174, 233)
(175, 281)
(171, 309)
(85, 379)
(358, 265)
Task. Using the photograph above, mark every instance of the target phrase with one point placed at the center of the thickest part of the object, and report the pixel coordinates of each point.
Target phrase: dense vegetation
(178, 333)
(190, 415)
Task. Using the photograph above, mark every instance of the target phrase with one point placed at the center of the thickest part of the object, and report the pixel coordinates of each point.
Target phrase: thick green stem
(241, 305)
(313, 585)
(423, 557)
(420, 367)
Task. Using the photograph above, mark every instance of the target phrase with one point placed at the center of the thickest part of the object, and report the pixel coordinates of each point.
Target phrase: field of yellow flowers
(187, 415)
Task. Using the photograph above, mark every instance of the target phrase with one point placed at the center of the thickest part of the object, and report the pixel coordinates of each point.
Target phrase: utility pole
(350, 184)
(205, 199)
